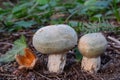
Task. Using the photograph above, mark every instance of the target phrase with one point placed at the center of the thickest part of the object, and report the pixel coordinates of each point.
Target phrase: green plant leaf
(78, 26)
(78, 54)
(43, 7)
(21, 10)
(18, 48)
(43, 1)
(90, 2)
(18, 8)
(73, 23)
(98, 27)
(25, 24)
(95, 4)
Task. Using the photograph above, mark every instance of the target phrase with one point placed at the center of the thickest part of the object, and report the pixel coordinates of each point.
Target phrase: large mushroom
(91, 46)
(55, 40)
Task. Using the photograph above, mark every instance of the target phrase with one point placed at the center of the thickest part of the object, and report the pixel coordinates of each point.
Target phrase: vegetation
(18, 48)
(37, 13)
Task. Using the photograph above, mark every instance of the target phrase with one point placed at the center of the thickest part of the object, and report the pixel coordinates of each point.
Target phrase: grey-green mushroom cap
(55, 39)
(92, 45)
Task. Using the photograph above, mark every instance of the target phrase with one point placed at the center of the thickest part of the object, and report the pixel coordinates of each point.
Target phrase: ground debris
(110, 69)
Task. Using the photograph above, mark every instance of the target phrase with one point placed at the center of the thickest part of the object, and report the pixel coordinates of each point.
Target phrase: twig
(113, 39)
(106, 65)
(7, 75)
(57, 78)
(94, 76)
(117, 51)
(84, 74)
(75, 71)
(6, 43)
(115, 46)
(42, 75)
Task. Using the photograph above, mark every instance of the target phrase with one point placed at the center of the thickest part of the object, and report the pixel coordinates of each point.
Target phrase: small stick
(94, 76)
(7, 75)
(115, 46)
(6, 43)
(83, 73)
(75, 71)
(42, 75)
(117, 51)
(115, 40)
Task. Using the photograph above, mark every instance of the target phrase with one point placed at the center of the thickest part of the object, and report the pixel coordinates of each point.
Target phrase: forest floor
(110, 68)
(110, 64)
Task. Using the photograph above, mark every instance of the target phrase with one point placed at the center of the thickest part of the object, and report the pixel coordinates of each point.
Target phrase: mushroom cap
(55, 39)
(92, 45)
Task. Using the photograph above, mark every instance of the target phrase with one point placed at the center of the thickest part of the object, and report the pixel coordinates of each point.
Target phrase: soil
(110, 68)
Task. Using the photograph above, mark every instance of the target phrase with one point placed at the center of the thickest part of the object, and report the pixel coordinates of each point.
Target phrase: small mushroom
(91, 46)
(55, 40)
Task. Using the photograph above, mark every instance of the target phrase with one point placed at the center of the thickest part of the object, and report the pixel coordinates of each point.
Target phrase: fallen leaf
(19, 46)
(27, 60)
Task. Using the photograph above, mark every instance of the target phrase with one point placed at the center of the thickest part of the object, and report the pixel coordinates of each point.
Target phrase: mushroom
(55, 40)
(91, 46)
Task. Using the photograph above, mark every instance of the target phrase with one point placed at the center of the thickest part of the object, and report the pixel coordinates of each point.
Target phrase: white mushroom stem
(56, 62)
(91, 65)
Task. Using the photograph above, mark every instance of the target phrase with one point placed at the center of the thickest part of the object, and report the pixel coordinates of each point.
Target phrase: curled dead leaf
(28, 60)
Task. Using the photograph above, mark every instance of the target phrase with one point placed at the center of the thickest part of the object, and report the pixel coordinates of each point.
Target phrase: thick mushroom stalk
(91, 64)
(56, 62)
(55, 40)
(91, 46)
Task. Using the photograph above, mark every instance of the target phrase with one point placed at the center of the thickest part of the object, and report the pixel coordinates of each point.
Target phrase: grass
(116, 10)
(39, 13)
(91, 27)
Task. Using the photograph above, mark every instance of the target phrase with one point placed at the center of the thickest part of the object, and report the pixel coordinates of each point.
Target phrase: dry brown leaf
(27, 60)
